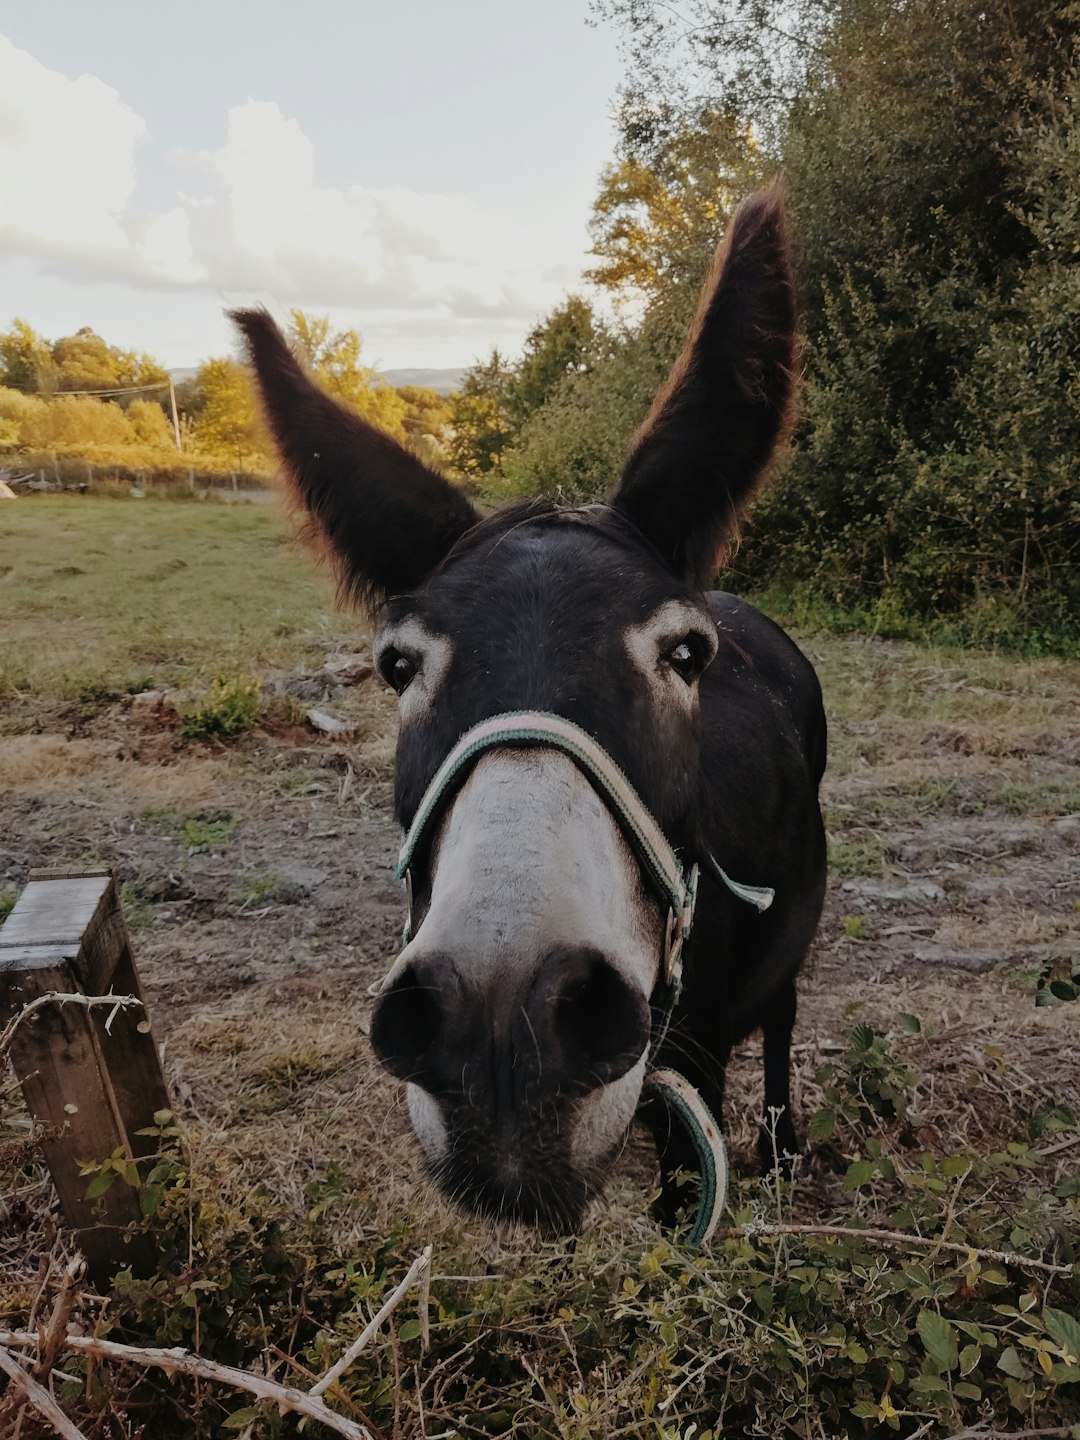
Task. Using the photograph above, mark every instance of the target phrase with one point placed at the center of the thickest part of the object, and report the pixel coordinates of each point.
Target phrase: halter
(674, 883)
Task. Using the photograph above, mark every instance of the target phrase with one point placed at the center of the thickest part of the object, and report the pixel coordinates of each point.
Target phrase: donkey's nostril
(601, 1022)
(406, 1024)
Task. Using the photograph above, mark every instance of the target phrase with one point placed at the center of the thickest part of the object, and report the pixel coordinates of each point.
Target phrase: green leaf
(241, 1418)
(938, 1337)
(162, 1117)
(970, 1356)
(1062, 1327)
(100, 1183)
(150, 1199)
(966, 1390)
(1010, 1362)
(911, 1023)
(409, 1331)
(858, 1173)
(823, 1124)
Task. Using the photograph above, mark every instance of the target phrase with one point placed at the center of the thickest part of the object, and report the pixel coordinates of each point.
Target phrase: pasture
(936, 1098)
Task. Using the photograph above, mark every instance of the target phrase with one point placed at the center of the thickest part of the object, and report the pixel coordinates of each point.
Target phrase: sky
(418, 169)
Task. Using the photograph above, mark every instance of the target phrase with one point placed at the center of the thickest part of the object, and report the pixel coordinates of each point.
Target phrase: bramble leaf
(938, 1337)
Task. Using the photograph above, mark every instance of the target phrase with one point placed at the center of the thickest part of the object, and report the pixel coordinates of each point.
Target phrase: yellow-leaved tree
(334, 357)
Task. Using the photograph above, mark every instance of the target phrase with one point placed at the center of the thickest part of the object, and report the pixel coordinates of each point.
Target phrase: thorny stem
(183, 1361)
(60, 997)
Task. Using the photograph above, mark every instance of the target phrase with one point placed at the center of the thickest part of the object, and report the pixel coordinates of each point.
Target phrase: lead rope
(676, 886)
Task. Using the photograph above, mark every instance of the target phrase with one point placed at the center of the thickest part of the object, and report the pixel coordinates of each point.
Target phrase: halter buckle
(679, 924)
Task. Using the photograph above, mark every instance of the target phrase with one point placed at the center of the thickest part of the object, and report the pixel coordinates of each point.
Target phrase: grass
(208, 832)
(102, 597)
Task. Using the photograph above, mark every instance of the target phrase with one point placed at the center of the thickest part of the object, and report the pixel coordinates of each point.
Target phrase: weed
(231, 707)
(254, 888)
(856, 927)
(137, 906)
(855, 857)
(208, 832)
(291, 1068)
(7, 903)
(1055, 980)
(305, 781)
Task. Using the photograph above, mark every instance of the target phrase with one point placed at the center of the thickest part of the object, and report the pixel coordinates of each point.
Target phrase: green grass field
(109, 596)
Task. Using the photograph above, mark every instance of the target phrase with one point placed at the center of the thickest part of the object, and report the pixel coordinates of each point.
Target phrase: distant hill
(441, 381)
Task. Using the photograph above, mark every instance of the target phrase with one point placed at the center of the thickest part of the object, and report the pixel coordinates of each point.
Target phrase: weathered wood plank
(91, 1087)
(67, 1090)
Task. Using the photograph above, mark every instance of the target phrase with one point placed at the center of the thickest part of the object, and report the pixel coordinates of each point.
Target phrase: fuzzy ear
(716, 421)
(387, 518)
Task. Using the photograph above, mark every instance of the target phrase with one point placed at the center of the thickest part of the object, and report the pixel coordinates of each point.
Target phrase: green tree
(561, 345)
(930, 152)
(480, 421)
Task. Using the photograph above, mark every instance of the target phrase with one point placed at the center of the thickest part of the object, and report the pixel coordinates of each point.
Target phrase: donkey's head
(518, 1013)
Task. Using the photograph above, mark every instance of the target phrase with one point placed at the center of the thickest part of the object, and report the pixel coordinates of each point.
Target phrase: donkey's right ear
(388, 520)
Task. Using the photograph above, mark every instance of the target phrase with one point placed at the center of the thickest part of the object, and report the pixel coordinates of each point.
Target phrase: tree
(667, 197)
(85, 362)
(334, 357)
(561, 345)
(149, 425)
(480, 421)
(26, 361)
(227, 423)
(930, 152)
(427, 422)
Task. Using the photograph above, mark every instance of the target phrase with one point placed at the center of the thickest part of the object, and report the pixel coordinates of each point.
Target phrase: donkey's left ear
(385, 517)
(715, 423)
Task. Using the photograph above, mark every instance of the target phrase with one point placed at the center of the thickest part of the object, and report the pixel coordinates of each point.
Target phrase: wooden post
(175, 417)
(91, 1088)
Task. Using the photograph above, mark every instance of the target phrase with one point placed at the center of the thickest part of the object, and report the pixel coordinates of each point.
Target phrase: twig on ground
(39, 1397)
(1011, 1434)
(64, 997)
(53, 1339)
(183, 1361)
(418, 1268)
(898, 1237)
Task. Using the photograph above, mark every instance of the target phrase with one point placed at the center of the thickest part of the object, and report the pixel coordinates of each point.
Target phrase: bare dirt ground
(258, 883)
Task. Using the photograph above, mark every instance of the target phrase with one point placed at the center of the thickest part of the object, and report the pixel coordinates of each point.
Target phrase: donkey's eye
(686, 658)
(396, 669)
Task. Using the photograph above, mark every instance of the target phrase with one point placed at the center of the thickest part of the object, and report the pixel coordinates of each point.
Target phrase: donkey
(600, 690)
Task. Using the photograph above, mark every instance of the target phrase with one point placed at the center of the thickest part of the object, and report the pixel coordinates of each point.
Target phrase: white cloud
(248, 218)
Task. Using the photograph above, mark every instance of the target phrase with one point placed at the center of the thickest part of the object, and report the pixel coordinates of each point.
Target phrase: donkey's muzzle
(574, 1025)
